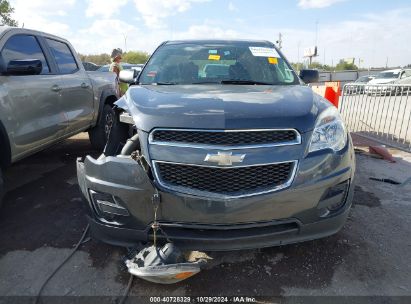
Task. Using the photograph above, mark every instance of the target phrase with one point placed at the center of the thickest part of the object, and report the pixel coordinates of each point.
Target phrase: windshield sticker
(212, 51)
(273, 60)
(214, 57)
(226, 53)
(264, 52)
(152, 74)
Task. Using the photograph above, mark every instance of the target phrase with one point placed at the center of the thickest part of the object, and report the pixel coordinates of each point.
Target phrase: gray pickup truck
(219, 145)
(47, 96)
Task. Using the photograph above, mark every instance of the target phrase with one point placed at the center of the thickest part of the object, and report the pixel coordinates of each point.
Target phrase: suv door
(37, 118)
(77, 91)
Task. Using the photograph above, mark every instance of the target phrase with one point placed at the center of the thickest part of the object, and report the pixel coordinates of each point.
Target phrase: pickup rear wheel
(1, 187)
(99, 134)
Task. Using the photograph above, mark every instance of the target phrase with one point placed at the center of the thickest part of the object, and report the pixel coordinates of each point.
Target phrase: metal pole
(280, 41)
(125, 42)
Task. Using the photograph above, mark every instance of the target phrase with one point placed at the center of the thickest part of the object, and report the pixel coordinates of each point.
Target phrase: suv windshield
(224, 63)
(384, 75)
(364, 79)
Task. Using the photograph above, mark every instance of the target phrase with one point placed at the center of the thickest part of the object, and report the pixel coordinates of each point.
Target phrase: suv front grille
(231, 182)
(225, 138)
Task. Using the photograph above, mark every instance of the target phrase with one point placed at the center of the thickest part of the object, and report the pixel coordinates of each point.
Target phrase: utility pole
(125, 42)
(360, 61)
(280, 41)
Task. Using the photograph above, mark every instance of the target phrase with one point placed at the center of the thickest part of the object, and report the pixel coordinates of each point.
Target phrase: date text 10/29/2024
(235, 299)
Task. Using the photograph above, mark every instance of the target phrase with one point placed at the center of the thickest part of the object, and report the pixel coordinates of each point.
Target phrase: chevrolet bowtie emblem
(225, 158)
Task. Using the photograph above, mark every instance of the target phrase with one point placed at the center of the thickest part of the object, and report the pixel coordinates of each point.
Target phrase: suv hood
(223, 106)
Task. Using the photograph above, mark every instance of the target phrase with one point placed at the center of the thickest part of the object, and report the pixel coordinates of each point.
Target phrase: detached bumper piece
(165, 265)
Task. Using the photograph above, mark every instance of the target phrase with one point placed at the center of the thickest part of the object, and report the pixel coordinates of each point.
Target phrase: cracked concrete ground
(42, 219)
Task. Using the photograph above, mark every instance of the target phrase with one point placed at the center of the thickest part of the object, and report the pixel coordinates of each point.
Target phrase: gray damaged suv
(222, 147)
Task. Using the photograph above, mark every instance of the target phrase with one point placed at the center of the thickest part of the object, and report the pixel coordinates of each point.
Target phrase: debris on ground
(391, 181)
(383, 152)
(366, 153)
(378, 152)
(385, 180)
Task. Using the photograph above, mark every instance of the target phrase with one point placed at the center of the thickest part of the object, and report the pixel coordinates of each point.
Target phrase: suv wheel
(99, 134)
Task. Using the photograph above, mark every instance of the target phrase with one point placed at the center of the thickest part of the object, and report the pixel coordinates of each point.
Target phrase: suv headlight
(329, 132)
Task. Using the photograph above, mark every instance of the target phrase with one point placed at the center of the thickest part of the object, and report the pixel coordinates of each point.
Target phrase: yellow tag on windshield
(214, 57)
(273, 60)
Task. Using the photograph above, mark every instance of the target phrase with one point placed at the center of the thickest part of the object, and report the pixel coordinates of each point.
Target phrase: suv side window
(20, 47)
(63, 56)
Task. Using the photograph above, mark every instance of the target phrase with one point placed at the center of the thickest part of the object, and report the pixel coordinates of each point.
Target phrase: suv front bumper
(298, 213)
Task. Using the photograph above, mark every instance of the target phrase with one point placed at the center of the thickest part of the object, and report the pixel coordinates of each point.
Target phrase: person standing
(116, 67)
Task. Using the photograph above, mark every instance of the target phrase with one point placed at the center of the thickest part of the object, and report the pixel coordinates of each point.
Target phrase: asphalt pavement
(43, 218)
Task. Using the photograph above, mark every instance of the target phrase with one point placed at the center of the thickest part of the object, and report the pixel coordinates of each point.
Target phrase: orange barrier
(330, 91)
(333, 92)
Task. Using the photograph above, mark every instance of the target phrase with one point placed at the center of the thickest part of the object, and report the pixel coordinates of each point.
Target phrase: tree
(316, 65)
(319, 66)
(5, 13)
(296, 66)
(135, 57)
(344, 66)
(129, 57)
(99, 59)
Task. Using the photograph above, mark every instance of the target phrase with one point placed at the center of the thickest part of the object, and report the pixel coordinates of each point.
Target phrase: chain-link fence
(381, 112)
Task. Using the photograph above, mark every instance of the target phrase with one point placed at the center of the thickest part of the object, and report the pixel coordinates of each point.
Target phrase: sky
(375, 31)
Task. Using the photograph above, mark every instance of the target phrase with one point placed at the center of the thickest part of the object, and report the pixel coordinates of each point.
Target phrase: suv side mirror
(309, 76)
(128, 76)
(24, 67)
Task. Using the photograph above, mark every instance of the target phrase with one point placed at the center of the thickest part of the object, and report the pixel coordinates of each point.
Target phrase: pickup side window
(20, 47)
(63, 56)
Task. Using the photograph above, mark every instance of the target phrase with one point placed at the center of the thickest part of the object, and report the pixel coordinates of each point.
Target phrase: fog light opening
(334, 199)
(107, 206)
(340, 190)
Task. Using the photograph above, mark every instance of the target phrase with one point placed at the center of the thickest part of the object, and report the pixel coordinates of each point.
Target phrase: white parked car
(376, 85)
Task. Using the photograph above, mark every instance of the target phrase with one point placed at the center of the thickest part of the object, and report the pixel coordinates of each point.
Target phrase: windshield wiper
(164, 83)
(206, 82)
(239, 81)
(231, 81)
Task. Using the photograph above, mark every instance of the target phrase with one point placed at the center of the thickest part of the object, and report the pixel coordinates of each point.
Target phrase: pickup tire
(1, 187)
(99, 134)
